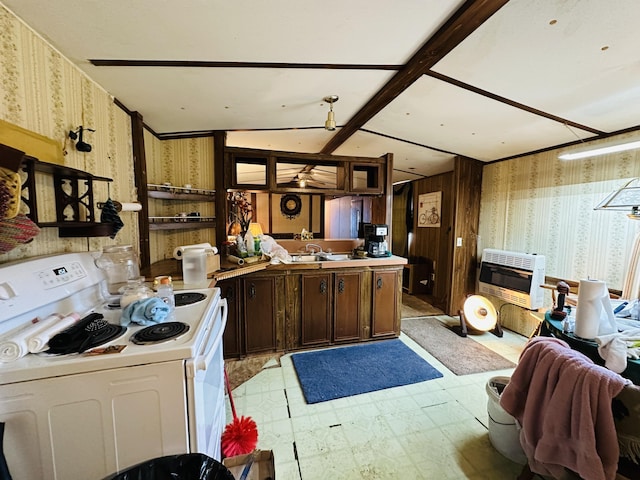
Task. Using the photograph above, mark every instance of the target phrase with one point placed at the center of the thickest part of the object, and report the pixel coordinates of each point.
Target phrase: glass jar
(135, 290)
(120, 264)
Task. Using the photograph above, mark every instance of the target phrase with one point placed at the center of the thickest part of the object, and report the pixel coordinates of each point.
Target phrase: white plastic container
(194, 266)
(165, 293)
(504, 432)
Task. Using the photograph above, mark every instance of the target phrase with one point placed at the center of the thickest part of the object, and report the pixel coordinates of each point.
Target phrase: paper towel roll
(131, 207)
(178, 251)
(594, 313)
(234, 259)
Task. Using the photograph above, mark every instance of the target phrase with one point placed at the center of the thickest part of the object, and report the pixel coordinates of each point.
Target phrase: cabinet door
(232, 336)
(259, 314)
(316, 308)
(384, 315)
(346, 304)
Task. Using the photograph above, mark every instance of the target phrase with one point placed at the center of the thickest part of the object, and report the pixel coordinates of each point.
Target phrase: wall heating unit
(513, 277)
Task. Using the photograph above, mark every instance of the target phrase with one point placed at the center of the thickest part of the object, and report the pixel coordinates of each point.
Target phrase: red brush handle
(233, 407)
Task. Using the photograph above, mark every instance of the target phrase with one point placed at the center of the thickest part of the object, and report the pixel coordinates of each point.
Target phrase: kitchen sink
(336, 257)
(319, 257)
(306, 258)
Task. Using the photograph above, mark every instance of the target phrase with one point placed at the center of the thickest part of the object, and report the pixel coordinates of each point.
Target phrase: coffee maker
(375, 242)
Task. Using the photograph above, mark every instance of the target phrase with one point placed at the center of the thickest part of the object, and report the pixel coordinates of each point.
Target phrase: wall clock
(290, 205)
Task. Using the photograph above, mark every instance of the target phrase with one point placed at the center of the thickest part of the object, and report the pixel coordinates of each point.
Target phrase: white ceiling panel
(240, 98)
(409, 161)
(442, 116)
(332, 31)
(575, 59)
(300, 141)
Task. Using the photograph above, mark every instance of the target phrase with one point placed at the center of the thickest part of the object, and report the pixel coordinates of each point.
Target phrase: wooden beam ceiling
(460, 25)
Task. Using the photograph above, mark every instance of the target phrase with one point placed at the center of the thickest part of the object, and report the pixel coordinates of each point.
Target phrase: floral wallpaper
(540, 204)
(41, 91)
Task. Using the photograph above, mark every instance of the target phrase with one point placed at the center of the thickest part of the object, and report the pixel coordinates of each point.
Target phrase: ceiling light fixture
(601, 150)
(330, 124)
(624, 199)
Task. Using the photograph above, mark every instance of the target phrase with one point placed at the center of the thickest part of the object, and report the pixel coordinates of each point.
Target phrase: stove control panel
(61, 274)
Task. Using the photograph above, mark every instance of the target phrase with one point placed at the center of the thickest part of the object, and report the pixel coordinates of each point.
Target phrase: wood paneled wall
(433, 245)
(454, 266)
(467, 181)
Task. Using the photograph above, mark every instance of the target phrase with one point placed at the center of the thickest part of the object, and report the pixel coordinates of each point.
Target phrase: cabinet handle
(252, 291)
(379, 283)
(323, 286)
(341, 285)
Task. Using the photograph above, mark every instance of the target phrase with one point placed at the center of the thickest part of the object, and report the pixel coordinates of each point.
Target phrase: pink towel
(563, 402)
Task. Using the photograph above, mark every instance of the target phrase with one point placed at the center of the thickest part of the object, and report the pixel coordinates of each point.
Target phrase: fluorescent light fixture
(603, 150)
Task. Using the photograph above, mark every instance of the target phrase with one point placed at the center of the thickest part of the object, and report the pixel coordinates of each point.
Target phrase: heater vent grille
(524, 261)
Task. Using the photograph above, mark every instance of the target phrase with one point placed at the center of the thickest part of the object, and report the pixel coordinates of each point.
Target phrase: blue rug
(344, 371)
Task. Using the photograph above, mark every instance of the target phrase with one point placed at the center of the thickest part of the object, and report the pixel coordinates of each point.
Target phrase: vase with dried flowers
(240, 211)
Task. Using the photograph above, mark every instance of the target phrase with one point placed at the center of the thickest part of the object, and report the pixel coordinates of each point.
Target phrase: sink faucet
(310, 246)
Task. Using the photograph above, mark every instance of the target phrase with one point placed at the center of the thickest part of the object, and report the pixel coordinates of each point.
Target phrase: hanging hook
(81, 146)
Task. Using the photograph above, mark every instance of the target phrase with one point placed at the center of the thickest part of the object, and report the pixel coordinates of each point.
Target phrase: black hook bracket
(81, 146)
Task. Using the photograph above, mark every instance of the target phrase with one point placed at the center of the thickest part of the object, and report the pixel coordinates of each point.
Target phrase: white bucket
(504, 432)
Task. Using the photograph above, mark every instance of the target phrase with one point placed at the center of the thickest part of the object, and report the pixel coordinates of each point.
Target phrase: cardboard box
(263, 467)
(213, 263)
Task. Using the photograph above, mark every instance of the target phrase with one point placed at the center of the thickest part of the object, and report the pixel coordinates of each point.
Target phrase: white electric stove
(86, 415)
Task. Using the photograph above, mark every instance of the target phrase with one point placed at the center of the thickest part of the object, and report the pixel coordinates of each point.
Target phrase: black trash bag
(4, 468)
(188, 466)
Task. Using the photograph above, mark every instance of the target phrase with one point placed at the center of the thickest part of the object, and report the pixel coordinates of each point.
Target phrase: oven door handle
(203, 360)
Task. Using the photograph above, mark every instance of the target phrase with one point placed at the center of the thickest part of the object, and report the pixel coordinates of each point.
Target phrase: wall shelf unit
(180, 223)
(73, 192)
(178, 194)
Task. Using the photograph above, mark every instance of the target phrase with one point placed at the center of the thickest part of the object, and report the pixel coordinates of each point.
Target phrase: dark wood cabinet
(288, 310)
(346, 306)
(282, 172)
(384, 315)
(330, 307)
(253, 315)
(316, 308)
(259, 314)
(232, 345)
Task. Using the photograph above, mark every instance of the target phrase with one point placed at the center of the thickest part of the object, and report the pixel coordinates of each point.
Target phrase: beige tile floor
(431, 430)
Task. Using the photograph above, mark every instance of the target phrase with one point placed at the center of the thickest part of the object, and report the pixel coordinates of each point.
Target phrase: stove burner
(106, 333)
(159, 333)
(187, 298)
